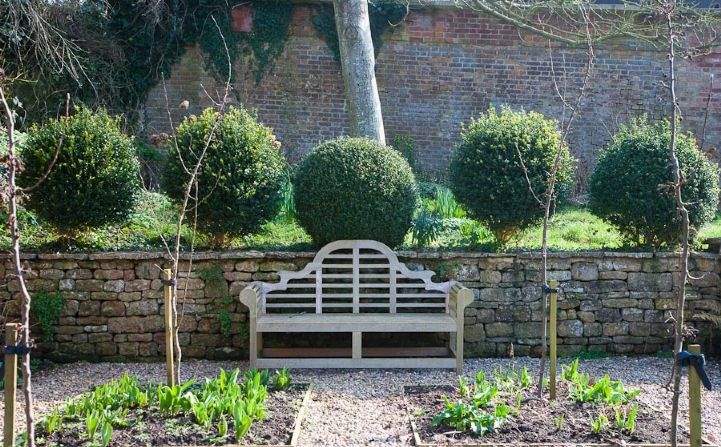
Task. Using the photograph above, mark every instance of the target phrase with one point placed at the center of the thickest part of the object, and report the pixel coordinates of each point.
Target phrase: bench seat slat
(363, 322)
(350, 295)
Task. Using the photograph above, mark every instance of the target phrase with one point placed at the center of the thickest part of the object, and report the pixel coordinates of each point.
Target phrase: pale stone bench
(356, 286)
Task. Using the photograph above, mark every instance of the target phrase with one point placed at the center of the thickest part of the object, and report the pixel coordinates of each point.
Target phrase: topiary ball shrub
(240, 177)
(487, 175)
(630, 187)
(95, 178)
(355, 188)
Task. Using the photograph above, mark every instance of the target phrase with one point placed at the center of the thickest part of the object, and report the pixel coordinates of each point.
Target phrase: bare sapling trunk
(358, 67)
(189, 204)
(678, 320)
(11, 194)
(550, 193)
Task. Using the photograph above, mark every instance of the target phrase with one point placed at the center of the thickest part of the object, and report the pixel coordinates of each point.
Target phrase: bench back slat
(355, 276)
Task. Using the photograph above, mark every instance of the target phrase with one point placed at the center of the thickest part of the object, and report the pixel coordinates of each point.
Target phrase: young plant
(92, 422)
(201, 410)
(483, 391)
(603, 390)
(106, 434)
(171, 399)
(558, 422)
(53, 422)
(281, 379)
(464, 390)
(626, 418)
(599, 424)
(223, 427)
(241, 422)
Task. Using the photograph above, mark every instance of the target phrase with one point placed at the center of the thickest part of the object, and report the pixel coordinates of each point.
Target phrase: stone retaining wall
(614, 302)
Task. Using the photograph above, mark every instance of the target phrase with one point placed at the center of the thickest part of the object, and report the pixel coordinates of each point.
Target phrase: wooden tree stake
(694, 400)
(168, 300)
(552, 323)
(11, 377)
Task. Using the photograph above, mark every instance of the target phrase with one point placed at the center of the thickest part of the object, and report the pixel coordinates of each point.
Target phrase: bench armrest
(251, 296)
(458, 298)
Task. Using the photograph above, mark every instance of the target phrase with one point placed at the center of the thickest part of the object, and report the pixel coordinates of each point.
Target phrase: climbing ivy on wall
(382, 14)
(269, 34)
(128, 47)
(155, 44)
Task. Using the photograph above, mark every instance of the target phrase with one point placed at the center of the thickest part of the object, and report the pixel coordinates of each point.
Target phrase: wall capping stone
(406, 254)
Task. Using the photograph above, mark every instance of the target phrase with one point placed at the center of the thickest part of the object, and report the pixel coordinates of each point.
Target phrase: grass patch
(154, 220)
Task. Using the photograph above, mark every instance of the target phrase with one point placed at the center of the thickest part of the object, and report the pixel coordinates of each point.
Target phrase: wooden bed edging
(296, 427)
(418, 442)
(301, 414)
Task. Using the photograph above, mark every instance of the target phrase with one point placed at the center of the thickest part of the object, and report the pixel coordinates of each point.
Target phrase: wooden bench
(356, 286)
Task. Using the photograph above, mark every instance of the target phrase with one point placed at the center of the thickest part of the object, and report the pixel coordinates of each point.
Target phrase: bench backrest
(354, 276)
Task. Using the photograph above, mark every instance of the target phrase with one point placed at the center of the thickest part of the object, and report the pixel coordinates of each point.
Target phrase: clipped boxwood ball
(487, 175)
(630, 186)
(240, 177)
(355, 188)
(95, 178)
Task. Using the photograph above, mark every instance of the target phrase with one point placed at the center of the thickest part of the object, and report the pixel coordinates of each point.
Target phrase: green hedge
(487, 175)
(95, 178)
(630, 186)
(355, 188)
(240, 178)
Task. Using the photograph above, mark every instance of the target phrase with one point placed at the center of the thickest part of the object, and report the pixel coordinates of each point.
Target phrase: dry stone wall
(611, 302)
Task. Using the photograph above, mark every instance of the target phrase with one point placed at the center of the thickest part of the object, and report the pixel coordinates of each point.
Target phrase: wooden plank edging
(418, 442)
(301, 414)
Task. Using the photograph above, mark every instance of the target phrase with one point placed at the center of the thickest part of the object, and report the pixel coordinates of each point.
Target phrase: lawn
(573, 228)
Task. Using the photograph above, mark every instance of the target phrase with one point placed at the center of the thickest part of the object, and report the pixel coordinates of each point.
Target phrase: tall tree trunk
(358, 65)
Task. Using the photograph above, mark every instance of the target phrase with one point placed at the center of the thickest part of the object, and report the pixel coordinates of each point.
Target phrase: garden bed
(530, 420)
(149, 425)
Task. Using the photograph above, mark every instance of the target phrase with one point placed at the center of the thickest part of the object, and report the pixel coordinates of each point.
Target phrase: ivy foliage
(46, 308)
(383, 15)
(152, 43)
(127, 47)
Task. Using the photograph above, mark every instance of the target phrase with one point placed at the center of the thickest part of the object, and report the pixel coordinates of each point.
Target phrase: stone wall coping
(405, 254)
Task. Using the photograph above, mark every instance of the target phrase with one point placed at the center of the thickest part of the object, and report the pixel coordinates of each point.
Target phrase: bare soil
(538, 421)
(146, 427)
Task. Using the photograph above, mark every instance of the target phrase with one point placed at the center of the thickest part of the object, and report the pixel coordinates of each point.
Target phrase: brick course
(442, 66)
(612, 302)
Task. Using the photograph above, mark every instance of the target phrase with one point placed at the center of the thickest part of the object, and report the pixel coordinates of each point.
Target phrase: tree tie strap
(168, 282)
(548, 289)
(698, 362)
(19, 349)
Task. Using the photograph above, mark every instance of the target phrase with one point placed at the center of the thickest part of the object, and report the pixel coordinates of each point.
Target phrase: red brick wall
(438, 69)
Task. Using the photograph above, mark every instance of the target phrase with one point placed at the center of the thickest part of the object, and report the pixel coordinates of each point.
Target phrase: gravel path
(365, 407)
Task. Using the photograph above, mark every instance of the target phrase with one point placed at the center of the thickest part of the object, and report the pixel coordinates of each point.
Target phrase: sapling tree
(11, 196)
(689, 32)
(576, 28)
(188, 204)
(572, 108)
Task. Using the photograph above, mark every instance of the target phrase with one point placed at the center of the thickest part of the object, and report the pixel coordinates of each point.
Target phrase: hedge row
(355, 188)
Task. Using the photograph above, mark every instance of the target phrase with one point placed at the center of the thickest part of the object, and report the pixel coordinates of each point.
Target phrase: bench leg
(252, 344)
(357, 345)
(459, 352)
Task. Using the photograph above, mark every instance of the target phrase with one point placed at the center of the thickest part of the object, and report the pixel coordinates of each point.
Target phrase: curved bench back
(353, 276)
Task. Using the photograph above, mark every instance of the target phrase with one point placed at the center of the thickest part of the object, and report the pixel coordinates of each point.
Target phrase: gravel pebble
(365, 407)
